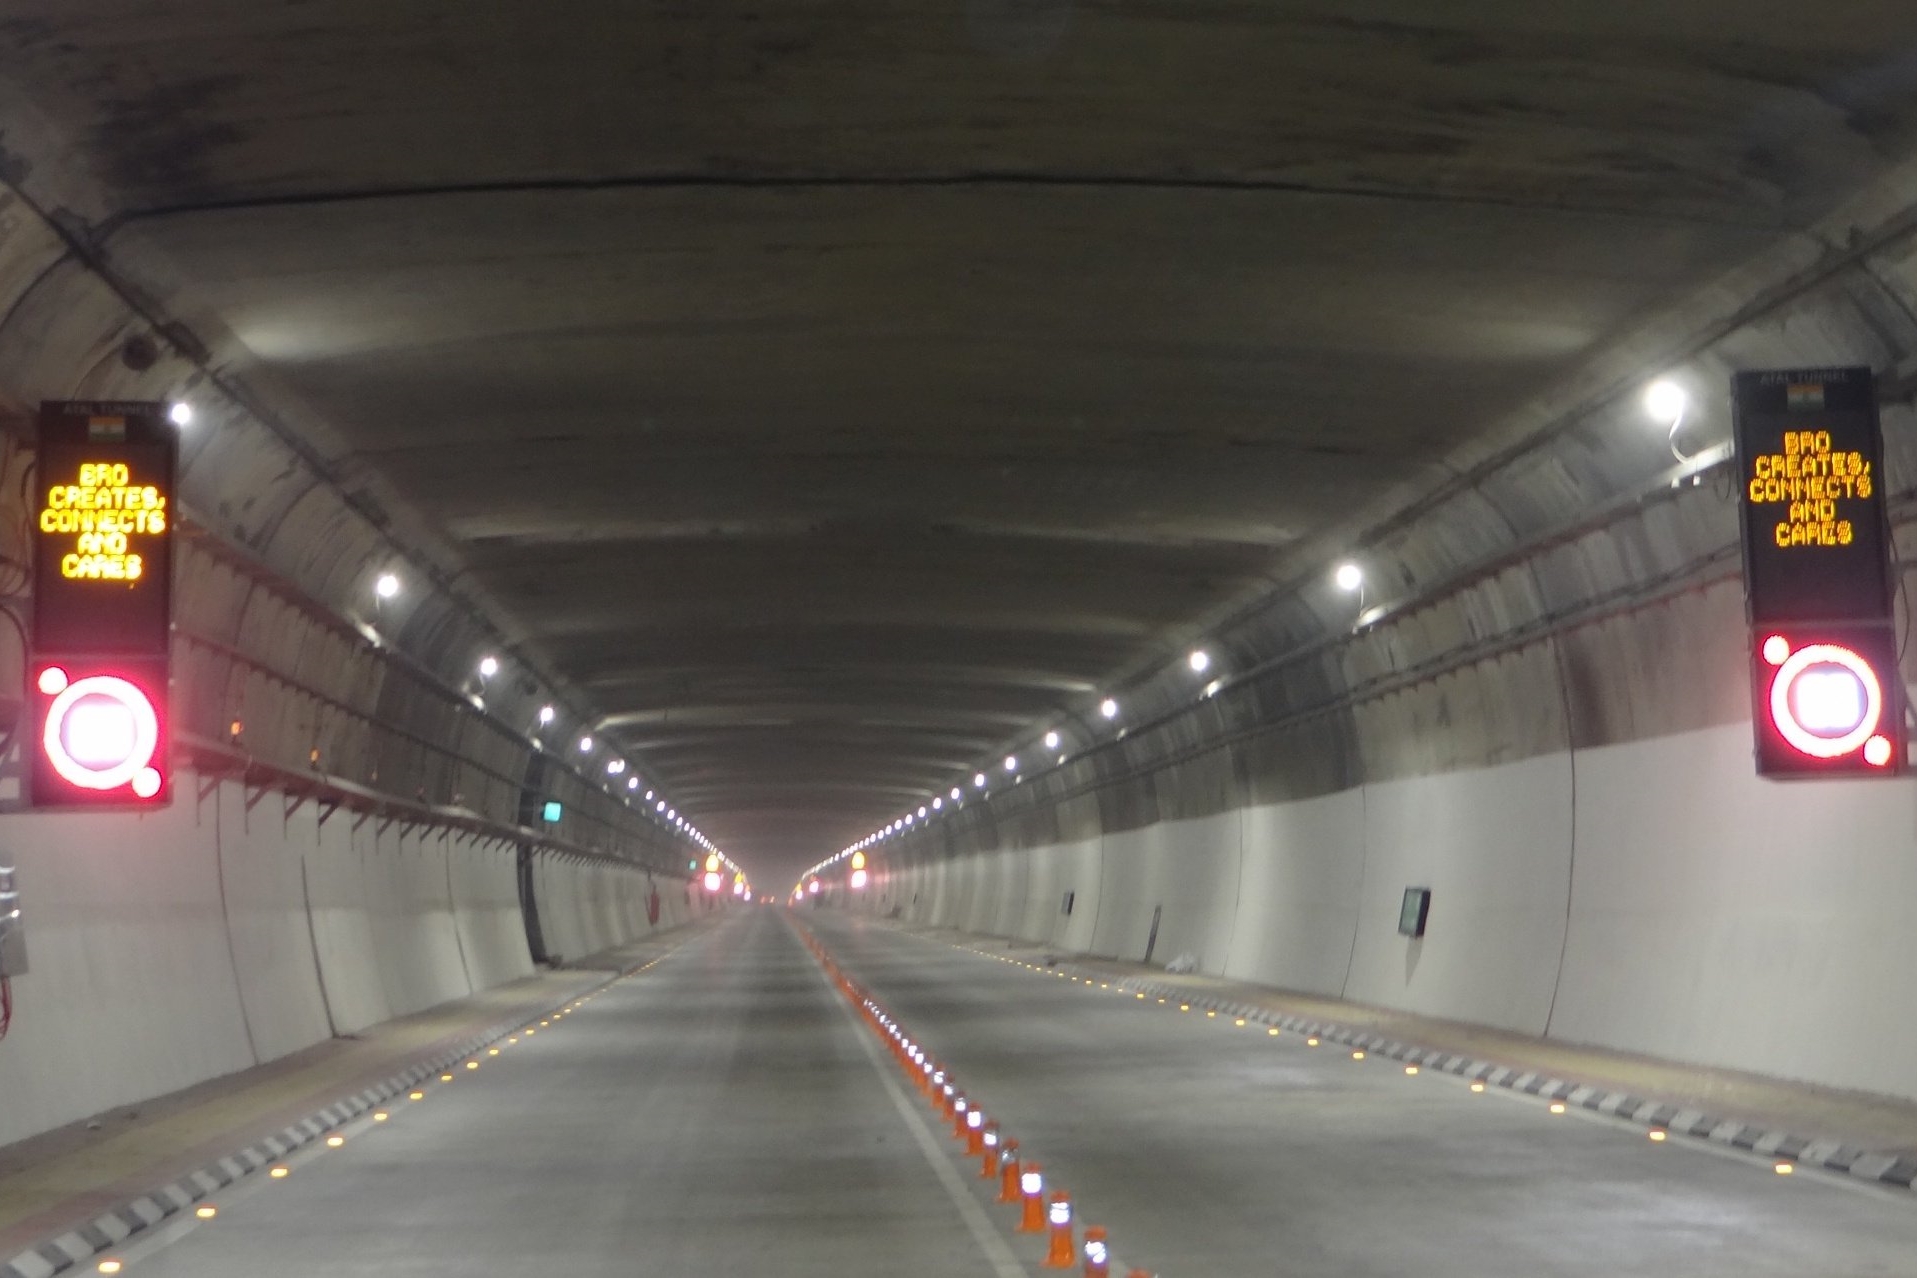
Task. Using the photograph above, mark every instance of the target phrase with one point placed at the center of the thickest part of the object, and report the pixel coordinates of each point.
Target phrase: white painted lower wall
(1655, 897)
(174, 946)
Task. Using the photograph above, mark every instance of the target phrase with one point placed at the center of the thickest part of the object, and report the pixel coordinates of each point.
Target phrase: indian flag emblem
(1804, 396)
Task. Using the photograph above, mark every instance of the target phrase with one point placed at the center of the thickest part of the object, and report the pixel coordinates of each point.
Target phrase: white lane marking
(990, 1241)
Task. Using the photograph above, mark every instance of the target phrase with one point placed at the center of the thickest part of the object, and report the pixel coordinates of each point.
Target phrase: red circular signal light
(101, 733)
(1826, 701)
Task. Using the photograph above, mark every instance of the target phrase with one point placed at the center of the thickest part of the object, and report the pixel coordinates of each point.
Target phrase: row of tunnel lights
(1199, 661)
(1665, 402)
(387, 586)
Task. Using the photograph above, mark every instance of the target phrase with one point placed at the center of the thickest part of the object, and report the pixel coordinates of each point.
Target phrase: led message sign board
(1810, 465)
(1827, 695)
(103, 529)
(103, 517)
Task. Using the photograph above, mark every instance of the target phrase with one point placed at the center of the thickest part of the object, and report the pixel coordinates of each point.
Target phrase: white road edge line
(990, 1241)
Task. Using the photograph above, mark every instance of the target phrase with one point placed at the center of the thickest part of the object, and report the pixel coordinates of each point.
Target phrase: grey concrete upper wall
(1548, 589)
(274, 580)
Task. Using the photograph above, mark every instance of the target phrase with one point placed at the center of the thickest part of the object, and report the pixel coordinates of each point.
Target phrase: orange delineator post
(1031, 1185)
(1061, 1254)
(1008, 1176)
(1098, 1263)
(975, 1131)
(960, 1108)
(989, 1169)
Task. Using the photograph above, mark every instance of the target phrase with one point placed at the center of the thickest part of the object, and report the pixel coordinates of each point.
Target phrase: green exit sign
(551, 812)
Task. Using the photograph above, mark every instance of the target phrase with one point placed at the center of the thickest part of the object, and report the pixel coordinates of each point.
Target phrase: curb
(1890, 1170)
(79, 1245)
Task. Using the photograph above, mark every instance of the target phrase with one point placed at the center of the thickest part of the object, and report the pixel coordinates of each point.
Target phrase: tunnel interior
(1249, 490)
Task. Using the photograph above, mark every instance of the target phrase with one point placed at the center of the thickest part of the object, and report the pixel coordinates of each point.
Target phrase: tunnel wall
(1539, 708)
(283, 654)
(178, 945)
(1592, 897)
(240, 923)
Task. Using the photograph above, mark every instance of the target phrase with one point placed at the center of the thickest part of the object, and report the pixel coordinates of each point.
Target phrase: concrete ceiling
(836, 392)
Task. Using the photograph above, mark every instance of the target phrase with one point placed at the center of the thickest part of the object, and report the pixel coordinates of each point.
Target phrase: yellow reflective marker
(1477, 1087)
(492, 1051)
(1357, 1056)
(379, 1115)
(415, 1095)
(1411, 1069)
(278, 1173)
(472, 1064)
(1273, 1031)
(206, 1212)
(1184, 1007)
(109, 1266)
(1782, 1169)
(1657, 1134)
(1311, 1042)
(334, 1142)
(445, 1078)
(1557, 1107)
(1240, 1022)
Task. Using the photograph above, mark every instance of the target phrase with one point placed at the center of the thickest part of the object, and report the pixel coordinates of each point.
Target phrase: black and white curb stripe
(102, 1233)
(1894, 1170)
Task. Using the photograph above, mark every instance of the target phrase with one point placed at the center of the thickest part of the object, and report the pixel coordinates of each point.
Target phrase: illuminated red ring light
(1802, 738)
(146, 736)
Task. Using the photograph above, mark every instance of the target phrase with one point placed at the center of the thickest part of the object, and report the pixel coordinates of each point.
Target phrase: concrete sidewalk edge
(82, 1243)
(1891, 1170)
